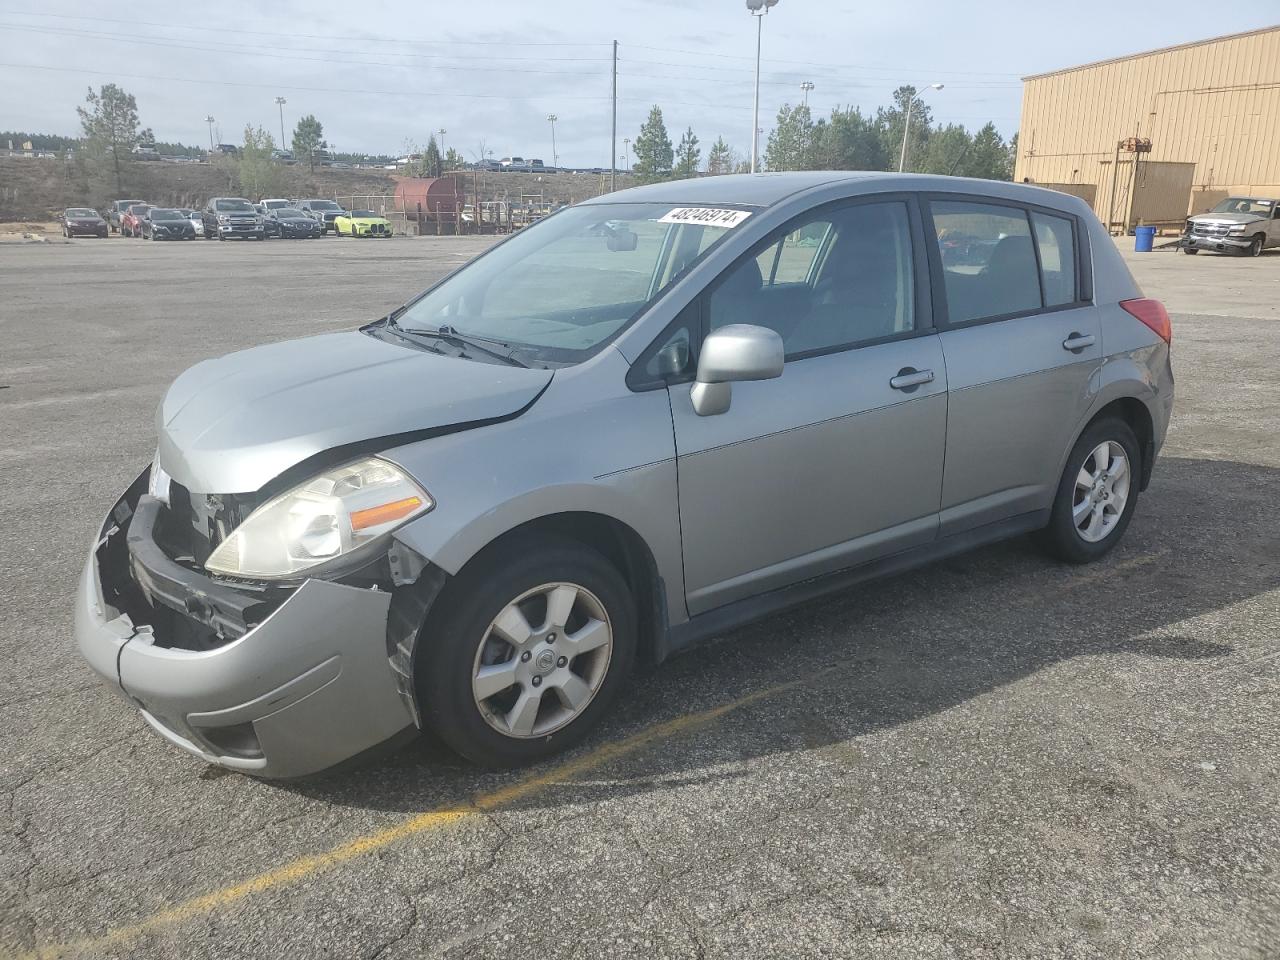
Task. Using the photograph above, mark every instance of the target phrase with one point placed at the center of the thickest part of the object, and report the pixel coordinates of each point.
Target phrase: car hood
(1226, 218)
(232, 424)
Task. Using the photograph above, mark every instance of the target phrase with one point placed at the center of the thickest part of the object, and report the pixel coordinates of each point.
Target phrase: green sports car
(361, 223)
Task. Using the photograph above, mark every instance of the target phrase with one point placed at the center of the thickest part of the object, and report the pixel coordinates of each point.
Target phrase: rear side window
(1056, 241)
(988, 260)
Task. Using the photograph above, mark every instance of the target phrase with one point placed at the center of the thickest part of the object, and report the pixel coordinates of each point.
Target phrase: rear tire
(461, 638)
(1095, 501)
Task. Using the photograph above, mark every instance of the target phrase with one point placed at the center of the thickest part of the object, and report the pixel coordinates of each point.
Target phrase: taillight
(1153, 314)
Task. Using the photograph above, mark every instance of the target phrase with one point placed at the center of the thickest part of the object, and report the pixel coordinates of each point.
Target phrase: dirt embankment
(34, 189)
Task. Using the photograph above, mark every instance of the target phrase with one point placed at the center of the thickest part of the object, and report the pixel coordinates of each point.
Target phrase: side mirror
(739, 351)
(623, 240)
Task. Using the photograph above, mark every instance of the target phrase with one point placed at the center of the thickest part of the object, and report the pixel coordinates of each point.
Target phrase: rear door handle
(1077, 342)
(909, 378)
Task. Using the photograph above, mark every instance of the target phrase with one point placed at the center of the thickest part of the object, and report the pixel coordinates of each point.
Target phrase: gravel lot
(994, 757)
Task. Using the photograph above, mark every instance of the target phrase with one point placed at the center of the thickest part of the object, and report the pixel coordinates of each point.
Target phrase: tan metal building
(1150, 137)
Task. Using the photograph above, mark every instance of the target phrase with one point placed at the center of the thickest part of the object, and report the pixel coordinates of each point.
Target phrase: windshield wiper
(449, 335)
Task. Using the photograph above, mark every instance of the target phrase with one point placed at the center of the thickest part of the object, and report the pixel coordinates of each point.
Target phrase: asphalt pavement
(997, 756)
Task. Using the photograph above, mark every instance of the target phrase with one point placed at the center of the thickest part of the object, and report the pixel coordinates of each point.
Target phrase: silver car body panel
(231, 424)
(820, 471)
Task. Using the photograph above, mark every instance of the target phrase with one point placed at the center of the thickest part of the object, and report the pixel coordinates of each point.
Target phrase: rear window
(999, 260)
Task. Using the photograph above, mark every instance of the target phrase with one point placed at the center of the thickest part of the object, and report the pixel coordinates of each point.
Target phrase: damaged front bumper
(305, 684)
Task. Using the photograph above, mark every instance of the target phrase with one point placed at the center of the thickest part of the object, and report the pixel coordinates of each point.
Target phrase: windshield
(81, 212)
(362, 213)
(565, 286)
(275, 204)
(138, 209)
(1261, 208)
(167, 215)
(233, 206)
(324, 205)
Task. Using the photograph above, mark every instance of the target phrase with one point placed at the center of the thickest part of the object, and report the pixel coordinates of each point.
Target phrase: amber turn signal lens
(384, 513)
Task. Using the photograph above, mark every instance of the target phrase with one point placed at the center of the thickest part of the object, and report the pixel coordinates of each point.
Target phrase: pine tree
(720, 159)
(790, 140)
(688, 155)
(653, 149)
(431, 161)
(308, 137)
(110, 125)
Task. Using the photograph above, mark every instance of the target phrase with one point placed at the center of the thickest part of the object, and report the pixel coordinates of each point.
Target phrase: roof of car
(766, 189)
(755, 189)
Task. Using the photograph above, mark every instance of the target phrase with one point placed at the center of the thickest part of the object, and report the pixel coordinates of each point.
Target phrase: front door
(839, 460)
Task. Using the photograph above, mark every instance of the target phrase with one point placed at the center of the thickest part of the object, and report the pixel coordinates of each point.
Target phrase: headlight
(1239, 228)
(223, 218)
(330, 516)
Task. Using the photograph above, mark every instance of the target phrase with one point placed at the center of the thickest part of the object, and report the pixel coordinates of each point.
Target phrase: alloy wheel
(542, 660)
(1101, 491)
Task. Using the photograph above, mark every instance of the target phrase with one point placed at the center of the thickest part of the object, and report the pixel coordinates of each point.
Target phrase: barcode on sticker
(707, 216)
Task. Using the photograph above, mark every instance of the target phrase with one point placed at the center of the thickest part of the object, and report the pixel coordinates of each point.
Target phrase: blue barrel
(1143, 238)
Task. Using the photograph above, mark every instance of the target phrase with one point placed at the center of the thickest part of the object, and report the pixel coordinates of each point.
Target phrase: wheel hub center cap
(544, 661)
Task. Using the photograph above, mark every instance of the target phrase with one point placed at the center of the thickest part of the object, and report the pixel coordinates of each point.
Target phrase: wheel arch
(622, 546)
(1135, 413)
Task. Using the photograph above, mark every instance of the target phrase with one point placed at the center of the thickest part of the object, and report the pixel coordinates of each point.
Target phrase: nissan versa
(649, 418)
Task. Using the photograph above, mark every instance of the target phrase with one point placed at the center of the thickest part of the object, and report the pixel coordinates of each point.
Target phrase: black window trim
(923, 299)
(1080, 236)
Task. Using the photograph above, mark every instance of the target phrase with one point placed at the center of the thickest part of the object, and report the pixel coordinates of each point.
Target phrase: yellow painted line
(423, 823)
(435, 820)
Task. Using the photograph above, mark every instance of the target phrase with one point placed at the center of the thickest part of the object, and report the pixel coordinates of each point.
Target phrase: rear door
(1022, 342)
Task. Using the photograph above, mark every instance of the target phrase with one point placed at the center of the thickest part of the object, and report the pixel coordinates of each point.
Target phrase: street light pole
(280, 102)
(906, 126)
(442, 131)
(758, 9)
(626, 152)
(555, 160)
(209, 121)
(806, 87)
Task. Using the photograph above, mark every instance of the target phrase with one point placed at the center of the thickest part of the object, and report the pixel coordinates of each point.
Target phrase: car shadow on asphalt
(889, 653)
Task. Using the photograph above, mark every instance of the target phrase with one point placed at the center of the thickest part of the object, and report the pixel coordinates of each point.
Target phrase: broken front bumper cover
(304, 689)
(1216, 242)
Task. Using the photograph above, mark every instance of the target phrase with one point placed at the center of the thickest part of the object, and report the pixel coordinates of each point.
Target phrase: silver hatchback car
(644, 420)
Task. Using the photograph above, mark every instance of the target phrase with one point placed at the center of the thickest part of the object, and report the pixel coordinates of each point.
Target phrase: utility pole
(806, 87)
(626, 147)
(442, 131)
(613, 138)
(209, 121)
(555, 160)
(280, 102)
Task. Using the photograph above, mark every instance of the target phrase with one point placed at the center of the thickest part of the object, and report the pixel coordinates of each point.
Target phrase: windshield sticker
(707, 216)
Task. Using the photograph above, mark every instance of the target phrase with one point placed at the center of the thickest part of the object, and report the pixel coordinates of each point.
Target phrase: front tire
(1255, 247)
(525, 651)
(1190, 251)
(1097, 493)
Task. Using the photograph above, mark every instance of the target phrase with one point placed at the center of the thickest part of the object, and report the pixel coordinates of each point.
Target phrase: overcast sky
(378, 73)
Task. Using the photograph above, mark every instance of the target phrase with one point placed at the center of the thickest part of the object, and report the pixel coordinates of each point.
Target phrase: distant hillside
(38, 189)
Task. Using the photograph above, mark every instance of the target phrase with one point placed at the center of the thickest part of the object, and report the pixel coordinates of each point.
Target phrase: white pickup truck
(1246, 225)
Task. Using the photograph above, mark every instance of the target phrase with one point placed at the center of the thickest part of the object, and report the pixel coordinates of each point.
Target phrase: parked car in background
(167, 223)
(489, 165)
(1246, 225)
(232, 217)
(537, 166)
(277, 203)
(146, 153)
(361, 223)
(116, 211)
(290, 223)
(82, 222)
(131, 222)
(323, 212)
(515, 165)
(195, 219)
(713, 421)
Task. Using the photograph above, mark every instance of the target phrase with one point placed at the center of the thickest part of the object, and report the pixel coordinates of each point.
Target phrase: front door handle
(909, 378)
(1077, 342)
